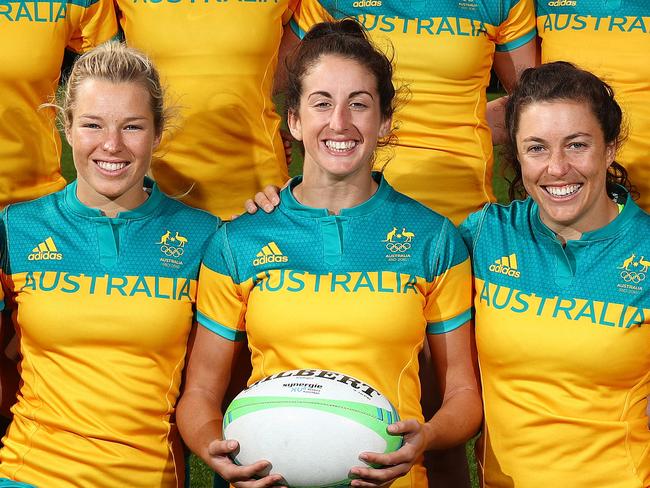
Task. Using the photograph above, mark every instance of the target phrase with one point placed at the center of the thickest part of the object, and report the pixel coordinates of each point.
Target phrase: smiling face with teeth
(112, 134)
(339, 121)
(564, 161)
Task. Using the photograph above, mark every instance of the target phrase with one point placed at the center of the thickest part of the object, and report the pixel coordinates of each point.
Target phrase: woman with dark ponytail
(339, 220)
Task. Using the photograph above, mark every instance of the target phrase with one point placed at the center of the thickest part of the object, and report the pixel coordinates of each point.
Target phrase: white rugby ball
(311, 425)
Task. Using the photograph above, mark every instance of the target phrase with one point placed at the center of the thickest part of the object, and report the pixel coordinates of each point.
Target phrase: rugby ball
(311, 425)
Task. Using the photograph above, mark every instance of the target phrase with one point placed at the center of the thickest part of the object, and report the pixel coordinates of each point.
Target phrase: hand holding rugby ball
(311, 425)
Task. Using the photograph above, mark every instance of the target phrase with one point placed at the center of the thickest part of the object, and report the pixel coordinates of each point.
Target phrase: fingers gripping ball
(311, 425)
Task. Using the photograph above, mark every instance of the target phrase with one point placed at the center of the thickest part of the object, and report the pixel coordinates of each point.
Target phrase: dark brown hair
(348, 39)
(560, 81)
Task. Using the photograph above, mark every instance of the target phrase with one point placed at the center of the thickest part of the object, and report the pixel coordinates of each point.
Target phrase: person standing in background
(218, 60)
(35, 36)
(610, 39)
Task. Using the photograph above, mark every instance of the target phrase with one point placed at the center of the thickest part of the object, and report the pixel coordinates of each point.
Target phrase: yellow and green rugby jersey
(102, 307)
(611, 38)
(34, 35)
(443, 53)
(218, 60)
(355, 292)
(562, 336)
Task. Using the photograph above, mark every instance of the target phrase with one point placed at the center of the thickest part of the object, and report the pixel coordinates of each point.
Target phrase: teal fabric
(608, 265)
(6, 483)
(387, 16)
(572, 14)
(90, 244)
(356, 241)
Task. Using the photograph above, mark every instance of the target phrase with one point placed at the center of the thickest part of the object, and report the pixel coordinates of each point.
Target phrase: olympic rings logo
(632, 276)
(174, 252)
(398, 246)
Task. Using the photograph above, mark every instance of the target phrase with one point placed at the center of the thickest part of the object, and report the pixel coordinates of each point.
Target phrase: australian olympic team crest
(632, 272)
(398, 244)
(172, 247)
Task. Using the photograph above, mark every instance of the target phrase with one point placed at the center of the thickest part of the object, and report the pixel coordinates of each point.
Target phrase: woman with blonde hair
(101, 282)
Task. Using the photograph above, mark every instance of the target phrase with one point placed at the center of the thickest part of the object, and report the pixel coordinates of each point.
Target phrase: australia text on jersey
(429, 26)
(596, 312)
(577, 22)
(168, 288)
(292, 280)
(33, 10)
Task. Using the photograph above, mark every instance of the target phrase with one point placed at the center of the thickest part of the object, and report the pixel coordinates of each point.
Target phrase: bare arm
(9, 357)
(461, 413)
(199, 413)
(508, 66)
(456, 421)
(287, 44)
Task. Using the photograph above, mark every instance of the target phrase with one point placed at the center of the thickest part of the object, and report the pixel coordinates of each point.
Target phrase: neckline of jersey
(630, 211)
(289, 203)
(147, 208)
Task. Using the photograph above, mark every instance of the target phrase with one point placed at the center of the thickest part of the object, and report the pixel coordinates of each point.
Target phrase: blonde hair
(117, 63)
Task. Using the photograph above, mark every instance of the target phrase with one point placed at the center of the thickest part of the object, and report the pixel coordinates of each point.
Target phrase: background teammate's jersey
(443, 54)
(103, 307)
(611, 38)
(34, 36)
(355, 293)
(218, 60)
(563, 336)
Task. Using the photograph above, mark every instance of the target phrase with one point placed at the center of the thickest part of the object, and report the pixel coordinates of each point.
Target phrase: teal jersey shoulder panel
(526, 268)
(58, 233)
(493, 12)
(573, 14)
(390, 232)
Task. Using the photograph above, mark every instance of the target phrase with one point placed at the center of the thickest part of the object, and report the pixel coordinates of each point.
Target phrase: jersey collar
(289, 203)
(630, 212)
(148, 207)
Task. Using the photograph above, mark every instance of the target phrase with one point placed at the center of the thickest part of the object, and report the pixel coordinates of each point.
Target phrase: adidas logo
(506, 265)
(367, 3)
(270, 254)
(562, 3)
(46, 250)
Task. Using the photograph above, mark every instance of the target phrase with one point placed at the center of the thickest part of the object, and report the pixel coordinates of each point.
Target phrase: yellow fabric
(34, 36)
(365, 312)
(562, 333)
(218, 61)
(102, 309)
(616, 47)
(443, 157)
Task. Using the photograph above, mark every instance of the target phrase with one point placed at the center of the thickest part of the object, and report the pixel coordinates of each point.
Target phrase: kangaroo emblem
(164, 237)
(181, 240)
(627, 262)
(390, 235)
(407, 234)
(644, 263)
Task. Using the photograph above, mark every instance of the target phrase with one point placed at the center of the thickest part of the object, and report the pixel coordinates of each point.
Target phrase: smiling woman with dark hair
(562, 306)
(346, 274)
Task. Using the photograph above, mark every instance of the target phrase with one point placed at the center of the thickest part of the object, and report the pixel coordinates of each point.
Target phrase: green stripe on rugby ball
(374, 418)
